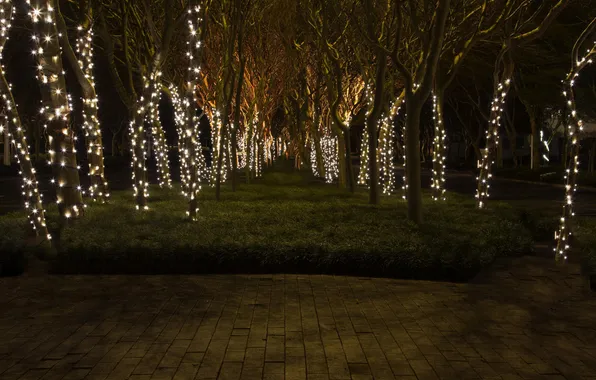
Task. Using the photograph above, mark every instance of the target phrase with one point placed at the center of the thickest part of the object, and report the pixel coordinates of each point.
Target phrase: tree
(143, 62)
(575, 129)
(428, 25)
(519, 29)
(479, 21)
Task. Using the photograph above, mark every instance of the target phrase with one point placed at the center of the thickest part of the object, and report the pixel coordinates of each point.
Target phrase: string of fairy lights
(160, 145)
(98, 189)
(18, 139)
(183, 153)
(138, 153)
(492, 142)
(216, 136)
(439, 140)
(56, 109)
(574, 132)
(364, 173)
(329, 146)
(386, 156)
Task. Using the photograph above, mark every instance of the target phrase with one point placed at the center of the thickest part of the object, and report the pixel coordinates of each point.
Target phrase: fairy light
(330, 153)
(492, 142)
(574, 132)
(216, 136)
(387, 155)
(438, 173)
(159, 138)
(16, 134)
(364, 174)
(56, 108)
(98, 190)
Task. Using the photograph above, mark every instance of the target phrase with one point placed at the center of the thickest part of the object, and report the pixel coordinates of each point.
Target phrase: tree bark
(83, 70)
(438, 179)
(374, 195)
(413, 170)
(56, 111)
(30, 186)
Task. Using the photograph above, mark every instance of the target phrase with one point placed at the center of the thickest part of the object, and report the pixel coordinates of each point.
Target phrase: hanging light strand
(17, 136)
(574, 132)
(98, 189)
(439, 149)
(56, 109)
(492, 142)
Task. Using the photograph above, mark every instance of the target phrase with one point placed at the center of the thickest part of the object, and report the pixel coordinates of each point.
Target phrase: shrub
(267, 228)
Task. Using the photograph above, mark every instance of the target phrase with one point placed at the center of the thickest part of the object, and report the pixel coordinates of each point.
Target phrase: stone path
(525, 319)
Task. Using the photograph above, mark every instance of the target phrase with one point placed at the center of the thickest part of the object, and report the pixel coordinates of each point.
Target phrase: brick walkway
(525, 319)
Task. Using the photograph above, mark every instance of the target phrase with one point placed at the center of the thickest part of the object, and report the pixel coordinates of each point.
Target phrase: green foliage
(286, 229)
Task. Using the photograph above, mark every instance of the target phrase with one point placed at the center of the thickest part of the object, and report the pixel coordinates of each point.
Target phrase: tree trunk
(56, 111)
(139, 156)
(438, 179)
(248, 152)
(413, 170)
(502, 84)
(351, 178)
(374, 195)
(83, 70)
(30, 186)
(363, 176)
(341, 159)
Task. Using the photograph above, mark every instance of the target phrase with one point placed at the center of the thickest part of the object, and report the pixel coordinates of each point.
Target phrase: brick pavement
(524, 319)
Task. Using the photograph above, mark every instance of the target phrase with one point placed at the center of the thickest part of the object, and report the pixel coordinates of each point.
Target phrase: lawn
(285, 223)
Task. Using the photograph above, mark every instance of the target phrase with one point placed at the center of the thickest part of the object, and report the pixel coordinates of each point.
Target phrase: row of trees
(325, 64)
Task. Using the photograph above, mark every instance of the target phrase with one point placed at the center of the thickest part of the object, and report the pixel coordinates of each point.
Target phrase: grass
(548, 174)
(285, 223)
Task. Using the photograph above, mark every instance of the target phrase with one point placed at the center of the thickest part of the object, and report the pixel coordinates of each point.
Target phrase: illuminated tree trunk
(574, 133)
(439, 154)
(316, 131)
(160, 144)
(16, 133)
(341, 158)
(502, 84)
(249, 151)
(138, 155)
(405, 160)
(56, 111)
(83, 70)
(372, 124)
(363, 176)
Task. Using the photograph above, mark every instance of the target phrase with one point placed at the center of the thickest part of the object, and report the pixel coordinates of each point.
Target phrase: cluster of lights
(438, 178)
(404, 137)
(492, 142)
(98, 190)
(574, 131)
(329, 146)
(160, 145)
(313, 159)
(216, 136)
(16, 134)
(56, 109)
(242, 146)
(386, 156)
(364, 174)
(138, 152)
